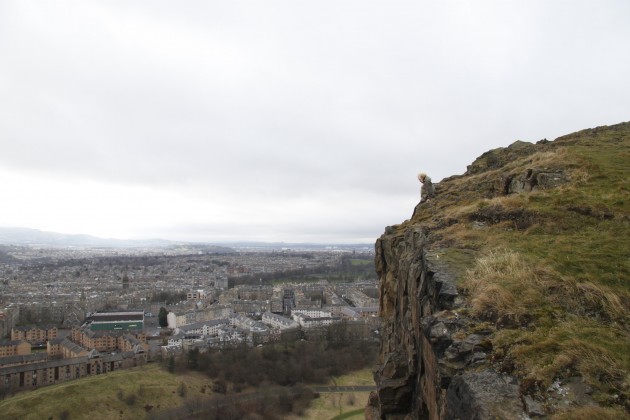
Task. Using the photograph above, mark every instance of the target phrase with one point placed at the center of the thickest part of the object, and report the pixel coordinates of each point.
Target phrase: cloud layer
(282, 120)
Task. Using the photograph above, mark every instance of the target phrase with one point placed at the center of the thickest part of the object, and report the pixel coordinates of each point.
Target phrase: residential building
(33, 334)
(204, 328)
(108, 341)
(28, 376)
(279, 321)
(312, 313)
(196, 295)
(306, 321)
(14, 348)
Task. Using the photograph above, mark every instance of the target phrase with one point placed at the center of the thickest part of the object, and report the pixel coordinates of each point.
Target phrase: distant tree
(125, 281)
(193, 359)
(182, 390)
(219, 386)
(168, 297)
(162, 317)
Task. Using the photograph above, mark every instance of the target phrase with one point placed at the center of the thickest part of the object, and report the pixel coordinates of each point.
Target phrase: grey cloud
(245, 101)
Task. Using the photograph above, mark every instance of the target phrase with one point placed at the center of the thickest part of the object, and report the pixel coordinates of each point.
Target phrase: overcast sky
(282, 120)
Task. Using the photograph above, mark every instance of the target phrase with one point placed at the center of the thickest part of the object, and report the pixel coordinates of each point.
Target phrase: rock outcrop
(428, 350)
(436, 361)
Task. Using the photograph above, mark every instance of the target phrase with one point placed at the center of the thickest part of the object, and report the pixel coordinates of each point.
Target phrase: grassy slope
(348, 405)
(97, 397)
(554, 281)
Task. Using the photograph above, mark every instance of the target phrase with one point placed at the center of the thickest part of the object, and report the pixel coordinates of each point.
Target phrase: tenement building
(14, 348)
(34, 335)
(32, 375)
(109, 341)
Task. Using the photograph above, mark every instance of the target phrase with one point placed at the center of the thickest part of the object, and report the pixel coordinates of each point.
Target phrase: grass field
(346, 405)
(134, 393)
(124, 394)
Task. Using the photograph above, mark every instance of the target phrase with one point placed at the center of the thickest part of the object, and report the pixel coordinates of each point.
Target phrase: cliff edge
(507, 296)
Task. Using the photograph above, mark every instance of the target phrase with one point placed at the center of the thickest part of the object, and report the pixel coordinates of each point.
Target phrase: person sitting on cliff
(427, 191)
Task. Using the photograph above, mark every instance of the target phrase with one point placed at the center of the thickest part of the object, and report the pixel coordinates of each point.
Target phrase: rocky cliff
(441, 356)
(429, 348)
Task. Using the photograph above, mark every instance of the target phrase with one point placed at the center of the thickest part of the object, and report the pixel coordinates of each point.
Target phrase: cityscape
(66, 313)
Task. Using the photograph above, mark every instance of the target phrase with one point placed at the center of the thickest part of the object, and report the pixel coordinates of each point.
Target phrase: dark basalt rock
(483, 395)
(428, 349)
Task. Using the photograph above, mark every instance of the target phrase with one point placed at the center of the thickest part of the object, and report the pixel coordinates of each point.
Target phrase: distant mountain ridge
(27, 236)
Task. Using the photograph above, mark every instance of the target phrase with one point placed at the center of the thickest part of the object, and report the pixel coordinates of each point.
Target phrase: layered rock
(427, 348)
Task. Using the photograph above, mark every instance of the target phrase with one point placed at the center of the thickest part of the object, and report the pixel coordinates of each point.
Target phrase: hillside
(515, 279)
(150, 391)
(26, 236)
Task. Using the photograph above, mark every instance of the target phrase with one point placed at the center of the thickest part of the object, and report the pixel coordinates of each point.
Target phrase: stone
(483, 395)
(532, 407)
(478, 357)
(478, 225)
(394, 367)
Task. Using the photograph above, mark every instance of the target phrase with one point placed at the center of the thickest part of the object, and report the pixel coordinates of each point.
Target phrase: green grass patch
(124, 394)
(360, 377)
(109, 396)
(360, 262)
(552, 267)
(358, 413)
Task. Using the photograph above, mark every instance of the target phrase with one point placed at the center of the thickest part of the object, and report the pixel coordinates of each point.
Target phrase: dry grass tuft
(460, 212)
(594, 362)
(580, 175)
(586, 298)
(572, 347)
(591, 413)
(512, 201)
(502, 284)
(572, 327)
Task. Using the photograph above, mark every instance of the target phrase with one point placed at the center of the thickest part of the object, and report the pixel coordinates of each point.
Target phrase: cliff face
(438, 358)
(427, 345)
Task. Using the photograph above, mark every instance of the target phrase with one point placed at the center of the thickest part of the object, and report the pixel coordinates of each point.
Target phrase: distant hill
(26, 236)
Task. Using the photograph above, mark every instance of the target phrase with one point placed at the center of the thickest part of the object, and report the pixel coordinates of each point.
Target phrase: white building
(248, 324)
(358, 313)
(308, 322)
(171, 319)
(205, 314)
(196, 295)
(178, 340)
(279, 321)
(312, 313)
(204, 328)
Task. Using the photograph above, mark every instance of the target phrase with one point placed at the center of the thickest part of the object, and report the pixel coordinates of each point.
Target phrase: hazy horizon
(19, 230)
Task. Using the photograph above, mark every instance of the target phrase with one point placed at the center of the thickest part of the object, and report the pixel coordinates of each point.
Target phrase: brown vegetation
(552, 269)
